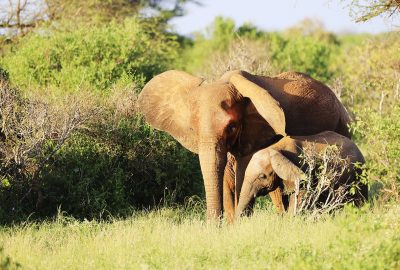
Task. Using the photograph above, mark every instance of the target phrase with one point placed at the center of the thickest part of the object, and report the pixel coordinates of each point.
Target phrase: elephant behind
(239, 114)
(279, 167)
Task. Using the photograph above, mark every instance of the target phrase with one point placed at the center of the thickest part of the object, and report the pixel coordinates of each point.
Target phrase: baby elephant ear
(266, 105)
(285, 169)
(164, 102)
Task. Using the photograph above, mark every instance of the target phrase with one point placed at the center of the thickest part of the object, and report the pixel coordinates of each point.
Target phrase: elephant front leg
(233, 180)
(229, 189)
(229, 201)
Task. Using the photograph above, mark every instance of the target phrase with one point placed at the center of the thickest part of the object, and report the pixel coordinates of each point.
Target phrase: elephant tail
(344, 121)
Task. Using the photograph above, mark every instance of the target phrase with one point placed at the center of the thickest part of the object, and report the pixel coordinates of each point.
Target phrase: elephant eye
(231, 128)
(262, 176)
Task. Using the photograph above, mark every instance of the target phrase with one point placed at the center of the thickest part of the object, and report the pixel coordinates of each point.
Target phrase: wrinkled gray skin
(237, 115)
(277, 167)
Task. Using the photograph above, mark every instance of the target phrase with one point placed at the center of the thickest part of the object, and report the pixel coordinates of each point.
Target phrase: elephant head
(231, 115)
(267, 171)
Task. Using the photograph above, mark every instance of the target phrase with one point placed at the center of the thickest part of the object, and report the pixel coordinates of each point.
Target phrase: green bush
(369, 75)
(132, 166)
(302, 53)
(311, 53)
(370, 72)
(111, 163)
(216, 38)
(378, 137)
(91, 57)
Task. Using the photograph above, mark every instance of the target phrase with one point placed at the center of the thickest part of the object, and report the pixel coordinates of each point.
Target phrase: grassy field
(174, 239)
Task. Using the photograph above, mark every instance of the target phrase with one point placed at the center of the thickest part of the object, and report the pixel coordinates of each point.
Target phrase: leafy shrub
(371, 76)
(31, 132)
(244, 54)
(216, 38)
(311, 28)
(319, 193)
(310, 52)
(91, 57)
(110, 163)
(304, 54)
(379, 138)
(370, 85)
(132, 166)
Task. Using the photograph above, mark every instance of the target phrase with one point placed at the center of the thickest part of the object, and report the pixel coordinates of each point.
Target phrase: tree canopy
(364, 10)
(19, 16)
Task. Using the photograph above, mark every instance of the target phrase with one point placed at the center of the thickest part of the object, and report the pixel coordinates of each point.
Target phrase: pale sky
(277, 15)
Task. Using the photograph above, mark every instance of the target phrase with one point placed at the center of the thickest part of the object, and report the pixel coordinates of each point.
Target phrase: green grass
(177, 239)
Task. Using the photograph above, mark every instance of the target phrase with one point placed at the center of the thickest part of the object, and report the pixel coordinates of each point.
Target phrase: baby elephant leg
(277, 199)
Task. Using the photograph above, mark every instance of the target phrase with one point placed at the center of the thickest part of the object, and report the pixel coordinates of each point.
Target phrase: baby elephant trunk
(247, 198)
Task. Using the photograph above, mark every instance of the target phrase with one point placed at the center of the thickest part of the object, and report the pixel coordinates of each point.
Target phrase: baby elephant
(279, 168)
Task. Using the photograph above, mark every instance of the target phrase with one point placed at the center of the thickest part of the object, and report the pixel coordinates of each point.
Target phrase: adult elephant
(239, 114)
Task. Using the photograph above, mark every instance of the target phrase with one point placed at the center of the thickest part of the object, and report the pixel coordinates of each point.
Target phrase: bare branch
(319, 193)
(364, 10)
(33, 131)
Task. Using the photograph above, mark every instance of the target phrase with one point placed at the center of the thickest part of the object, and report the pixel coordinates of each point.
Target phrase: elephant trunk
(213, 160)
(247, 196)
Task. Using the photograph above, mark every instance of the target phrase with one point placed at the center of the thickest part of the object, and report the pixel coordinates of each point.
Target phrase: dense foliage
(19, 17)
(110, 161)
(309, 51)
(91, 57)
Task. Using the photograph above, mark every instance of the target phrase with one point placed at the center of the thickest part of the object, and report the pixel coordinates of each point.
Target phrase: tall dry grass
(172, 239)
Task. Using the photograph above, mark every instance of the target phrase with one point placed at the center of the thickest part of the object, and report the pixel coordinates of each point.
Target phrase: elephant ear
(266, 105)
(165, 104)
(285, 169)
